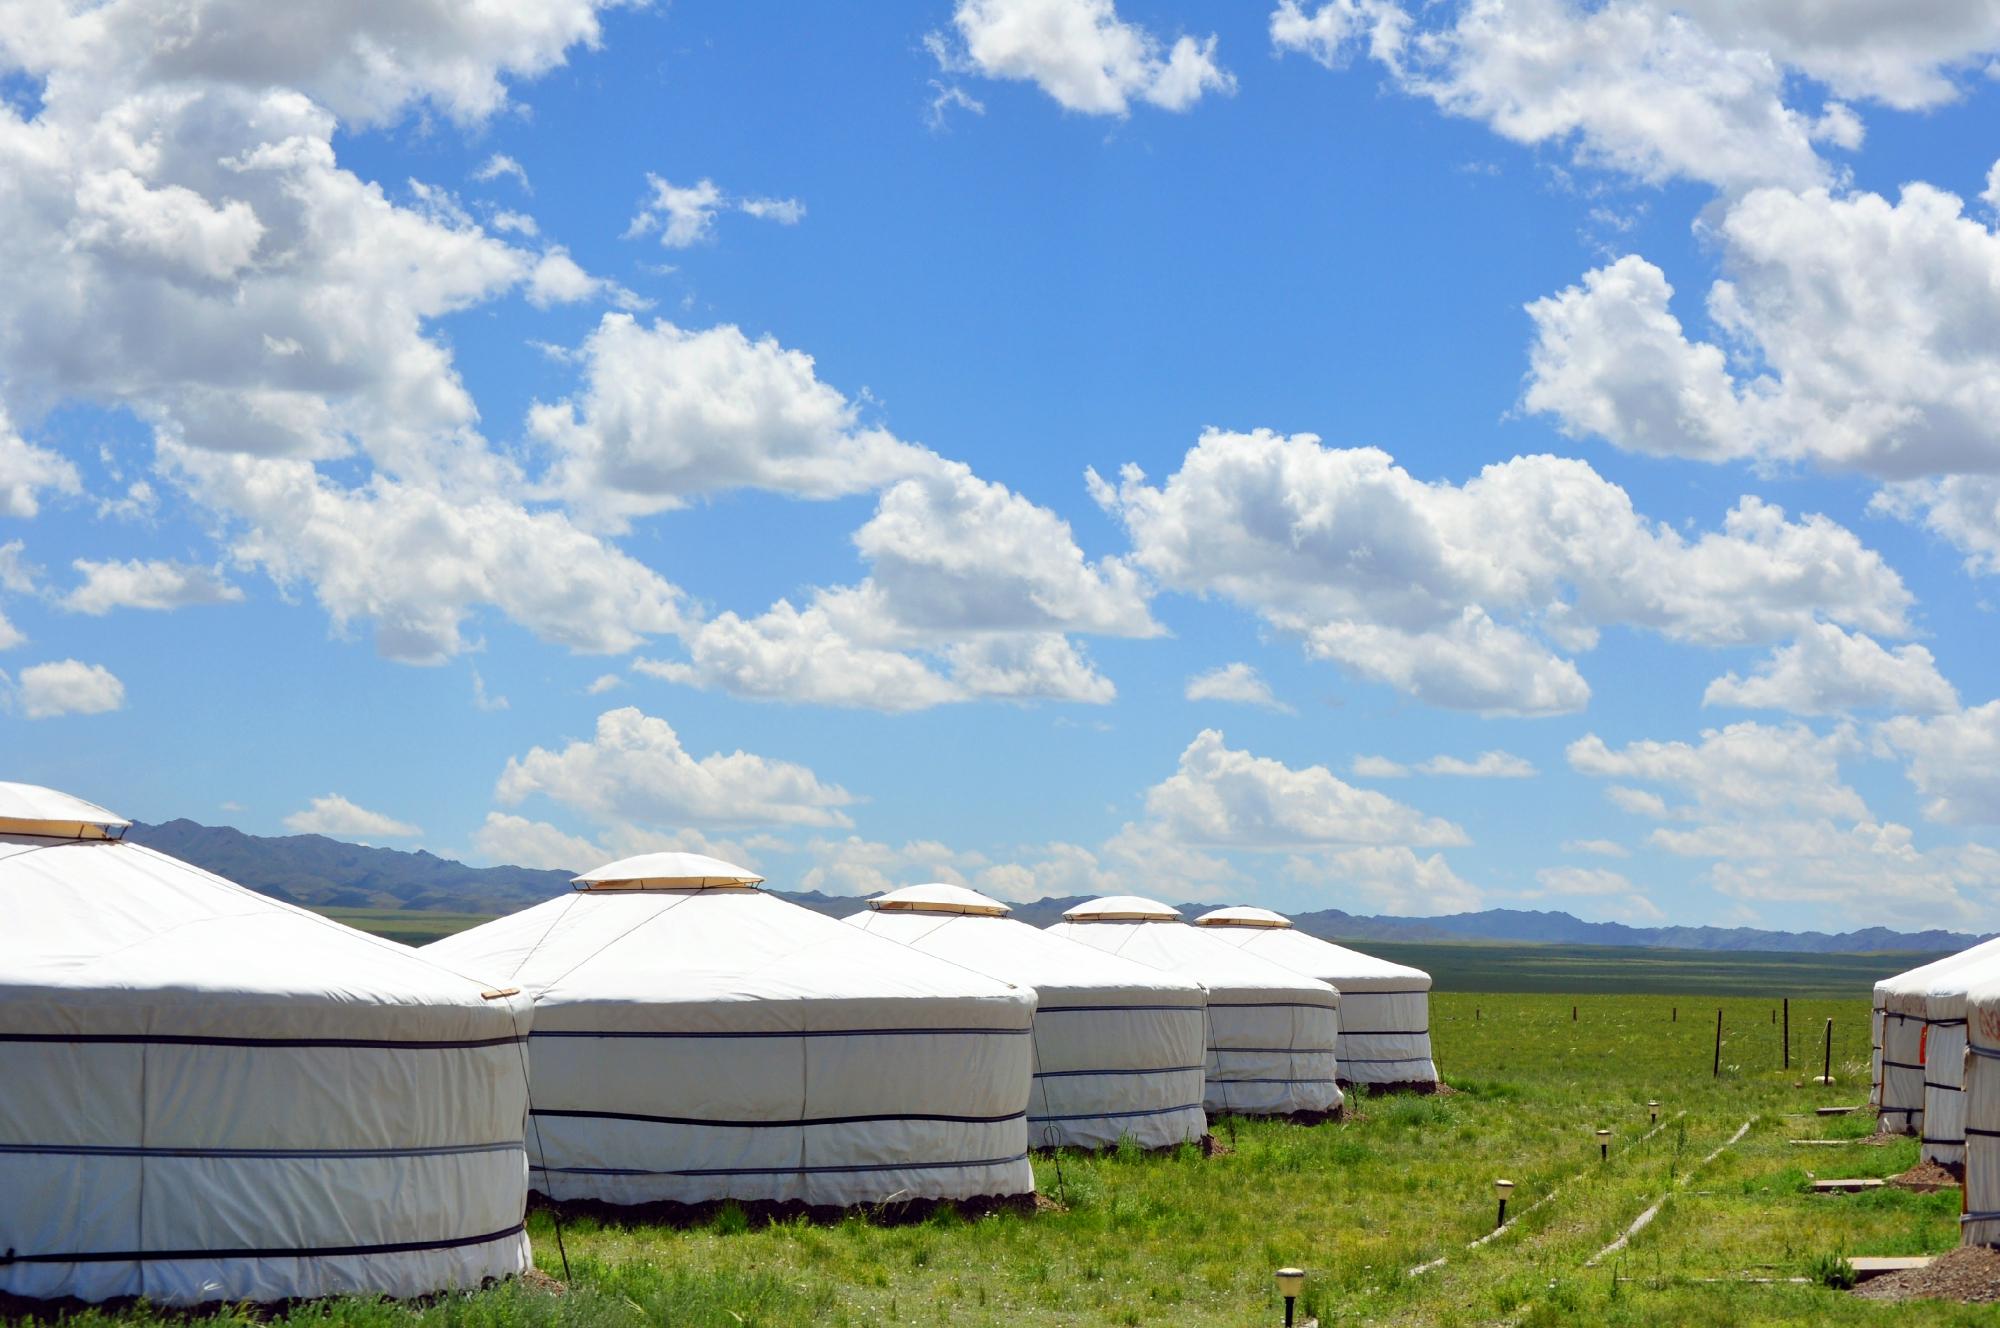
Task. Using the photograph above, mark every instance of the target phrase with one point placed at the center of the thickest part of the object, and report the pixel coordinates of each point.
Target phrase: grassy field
(1185, 1240)
(1599, 969)
(408, 925)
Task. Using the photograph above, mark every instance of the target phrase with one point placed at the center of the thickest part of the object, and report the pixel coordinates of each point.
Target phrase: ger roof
(113, 936)
(666, 871)
(1908, 992)
(30, 809)
(1123, 926)
(726, 959)
(1122, 908)
(939, 897)
(1268, 935)
(1016, 952)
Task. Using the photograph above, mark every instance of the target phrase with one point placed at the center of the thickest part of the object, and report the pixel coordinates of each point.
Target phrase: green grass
(1179, 1239)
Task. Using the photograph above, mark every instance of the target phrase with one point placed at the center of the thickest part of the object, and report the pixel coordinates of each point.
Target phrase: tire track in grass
(1554, 1190)
(1645, 1219)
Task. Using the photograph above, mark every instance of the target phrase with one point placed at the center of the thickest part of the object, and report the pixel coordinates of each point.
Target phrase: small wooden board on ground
(1866, 1267)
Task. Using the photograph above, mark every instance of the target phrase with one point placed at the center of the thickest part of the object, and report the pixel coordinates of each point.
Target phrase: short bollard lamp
(1503, 1188)
(1291, 1281)
(1653, 1110)
(1604, 1145)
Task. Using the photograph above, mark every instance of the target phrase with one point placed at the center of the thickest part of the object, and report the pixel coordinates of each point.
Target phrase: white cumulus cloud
(786, 654)
(63, 687)
(1828, 671)
(634, 768)
(1954, 760)
(1766, 809)
(784, 211)
(1611, 891)
(1735, 93)
(27, 472)
(517, 841)
(331, 814)
(1220, 797)
(180, 171)
(1863, 345)
(1384, 879)
(1475, 596)
(418, 562)
(667, 415)
(501, 165)
(684, 215)
(147, 584)
(972, 588)
(1963, 510)
(1378, 767)
(1237, 682)
(1487, 765)
(1081, 53)
(857, 866)
(366, 63)
(1742, 770)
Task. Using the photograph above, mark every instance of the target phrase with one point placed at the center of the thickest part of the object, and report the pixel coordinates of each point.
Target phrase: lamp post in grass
(1604, 1145)
(1291, 1281)
(1503, 1188)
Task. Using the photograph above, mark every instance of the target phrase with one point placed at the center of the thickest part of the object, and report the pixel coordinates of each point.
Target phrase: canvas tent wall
(1906, 1026)
(1271, 1032)
(1942, 1051)
(1118, 1046)
(697, 1039)
(1927, 1008)
(1875, 1032)
(1385, 1025)
(1980, 1222)
(206, 1094)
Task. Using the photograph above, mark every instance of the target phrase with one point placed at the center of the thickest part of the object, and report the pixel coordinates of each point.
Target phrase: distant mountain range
(1523, 927)
(329, 873)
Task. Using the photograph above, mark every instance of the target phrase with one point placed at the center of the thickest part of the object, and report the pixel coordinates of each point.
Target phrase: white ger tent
(1980, 1219)
(1117, 1045)
(1271, 1032)
(1904, 1028)
(206, 1094)
(1385, 1008)
(1942, 1049)
(698, 1039)
(1927, 1008)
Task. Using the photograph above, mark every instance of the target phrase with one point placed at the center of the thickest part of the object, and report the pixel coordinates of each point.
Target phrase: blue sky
(598, 428)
